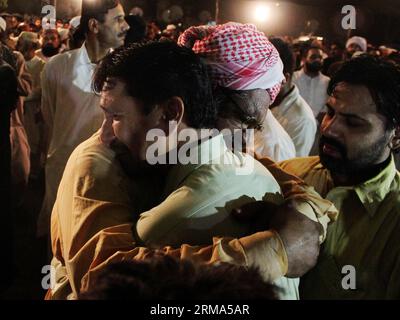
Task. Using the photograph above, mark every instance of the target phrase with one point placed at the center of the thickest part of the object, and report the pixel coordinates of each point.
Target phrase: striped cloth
(239, 57)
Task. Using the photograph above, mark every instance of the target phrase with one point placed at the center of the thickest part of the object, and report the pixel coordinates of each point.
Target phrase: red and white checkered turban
(239, 57)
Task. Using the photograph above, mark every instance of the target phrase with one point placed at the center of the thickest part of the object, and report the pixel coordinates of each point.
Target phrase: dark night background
(378, 20)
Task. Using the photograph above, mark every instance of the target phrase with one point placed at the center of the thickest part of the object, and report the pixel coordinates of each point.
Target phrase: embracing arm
(301, 221)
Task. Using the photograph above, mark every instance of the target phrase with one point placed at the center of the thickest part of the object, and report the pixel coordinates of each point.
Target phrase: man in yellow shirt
(355, 170)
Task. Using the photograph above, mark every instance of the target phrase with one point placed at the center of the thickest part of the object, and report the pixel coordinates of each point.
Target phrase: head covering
(26, 36)
(170, 27)
(75, 22)
(360, 41)
(239, 57)
(3, 24)
(63, 33)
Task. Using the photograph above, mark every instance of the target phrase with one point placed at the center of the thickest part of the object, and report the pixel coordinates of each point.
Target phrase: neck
(285, 91)
(30, 56)
(310, 73)
(358, 177)
(95, 50)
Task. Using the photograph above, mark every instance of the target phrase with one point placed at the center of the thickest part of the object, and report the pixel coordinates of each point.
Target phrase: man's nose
(330, 127)
(125, 26)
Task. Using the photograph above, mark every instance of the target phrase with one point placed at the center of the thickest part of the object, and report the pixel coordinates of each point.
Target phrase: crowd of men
(316, 190)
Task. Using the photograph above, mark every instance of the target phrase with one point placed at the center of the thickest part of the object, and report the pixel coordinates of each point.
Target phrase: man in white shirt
(355, 44)
(273, 140)
(311, 82)
(290, 109)
(70, 108)
(50, 44)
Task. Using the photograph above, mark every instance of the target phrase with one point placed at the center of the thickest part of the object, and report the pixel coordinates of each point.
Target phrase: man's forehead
(113, 86)
(116, 12)
(315, 51)
(50, 32)
(354, 97)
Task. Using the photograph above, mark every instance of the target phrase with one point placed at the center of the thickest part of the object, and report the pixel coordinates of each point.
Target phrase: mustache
(315, 65)
(340, 147)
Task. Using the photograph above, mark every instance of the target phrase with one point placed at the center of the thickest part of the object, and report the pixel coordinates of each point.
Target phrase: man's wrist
(266, 251)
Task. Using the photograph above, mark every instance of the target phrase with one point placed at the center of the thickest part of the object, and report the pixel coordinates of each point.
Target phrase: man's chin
(120, 42)
(333, 164)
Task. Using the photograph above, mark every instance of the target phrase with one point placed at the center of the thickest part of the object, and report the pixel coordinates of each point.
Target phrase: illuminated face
(127, 117)
(12, 22)
(353, 48)
(51, 38)
(314, 60)
(336, 51)
(26, 48)
(113, 31)
(353, 133)
(246, 109)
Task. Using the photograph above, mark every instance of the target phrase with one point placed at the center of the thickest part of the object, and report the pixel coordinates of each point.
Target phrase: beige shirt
(200, 197)
(20, 149)
(35, 67)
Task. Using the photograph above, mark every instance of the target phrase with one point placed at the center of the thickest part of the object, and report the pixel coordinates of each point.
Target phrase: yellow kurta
(365, 236)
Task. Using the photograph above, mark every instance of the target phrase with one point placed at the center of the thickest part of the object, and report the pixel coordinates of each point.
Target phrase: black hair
(382, 79)
(156, 71)
(167, 278)
(95, 9)
(137, 31)
(339, 44)
(307, 48)
(286, 54)
(8, 89)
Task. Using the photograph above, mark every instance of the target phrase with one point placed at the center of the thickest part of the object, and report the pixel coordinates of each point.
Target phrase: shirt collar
(207, 152)
(83, 56)
(373, 191)
(303, 74)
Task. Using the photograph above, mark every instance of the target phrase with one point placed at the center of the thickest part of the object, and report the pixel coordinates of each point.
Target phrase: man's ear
(93, 25)
(288, 77)
(173, 110)
(394, 143)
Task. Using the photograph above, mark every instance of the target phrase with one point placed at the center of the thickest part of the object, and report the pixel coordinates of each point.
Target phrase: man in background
(290, 109)
(70, 107)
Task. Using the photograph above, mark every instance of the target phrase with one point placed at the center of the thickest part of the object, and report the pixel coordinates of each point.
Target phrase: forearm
(263, 250)
(303, 197)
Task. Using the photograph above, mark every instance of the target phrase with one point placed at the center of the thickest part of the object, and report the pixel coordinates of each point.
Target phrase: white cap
(75, 22)
(171, 27)
(3, 24)
(63, 33)
(360, 41)
(27, 36)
